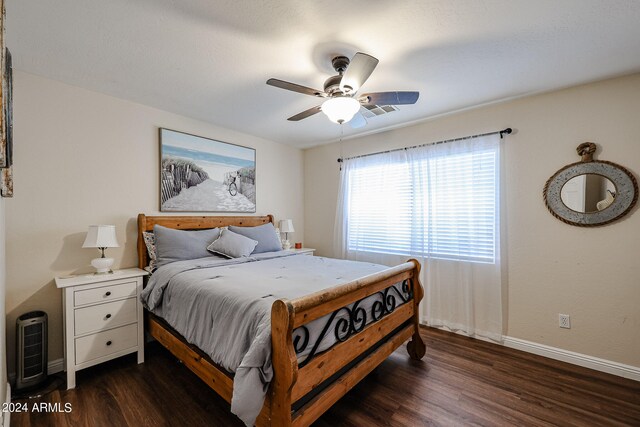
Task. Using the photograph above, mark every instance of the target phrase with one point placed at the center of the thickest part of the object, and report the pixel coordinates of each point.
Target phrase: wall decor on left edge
(6, 142)
(199, 174)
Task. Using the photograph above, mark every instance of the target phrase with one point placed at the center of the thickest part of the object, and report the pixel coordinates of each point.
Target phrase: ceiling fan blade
(358, 71)
(358, 121)
(306, 113)
(296, 88)
(389, 98)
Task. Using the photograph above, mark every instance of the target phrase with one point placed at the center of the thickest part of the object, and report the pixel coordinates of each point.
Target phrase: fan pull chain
(340, 143)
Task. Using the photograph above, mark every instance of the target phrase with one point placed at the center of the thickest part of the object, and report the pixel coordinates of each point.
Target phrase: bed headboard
(146, 223)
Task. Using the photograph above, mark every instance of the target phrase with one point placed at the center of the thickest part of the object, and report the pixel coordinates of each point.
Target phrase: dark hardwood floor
(460, 382)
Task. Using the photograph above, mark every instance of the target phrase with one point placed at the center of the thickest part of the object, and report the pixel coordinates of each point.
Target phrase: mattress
(223, 306)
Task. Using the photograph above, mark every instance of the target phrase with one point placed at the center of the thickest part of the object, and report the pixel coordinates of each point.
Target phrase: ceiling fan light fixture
(340, 104)
(340, 109)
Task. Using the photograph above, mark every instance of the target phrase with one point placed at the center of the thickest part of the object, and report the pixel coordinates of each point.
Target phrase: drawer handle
(108, 342)
(108, 294)
(108, 316)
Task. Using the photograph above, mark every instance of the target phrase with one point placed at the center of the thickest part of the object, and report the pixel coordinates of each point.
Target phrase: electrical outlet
(564, 321)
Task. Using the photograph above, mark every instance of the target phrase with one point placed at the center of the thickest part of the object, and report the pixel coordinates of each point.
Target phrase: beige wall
(84, 158)
(591, 274)
(3, 287)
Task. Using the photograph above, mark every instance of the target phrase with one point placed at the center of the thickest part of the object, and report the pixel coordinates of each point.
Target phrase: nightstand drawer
(104, 293)
(106, 343)
(109, 315)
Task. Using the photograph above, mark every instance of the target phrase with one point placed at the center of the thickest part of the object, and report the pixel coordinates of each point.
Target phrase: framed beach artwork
(204, 175)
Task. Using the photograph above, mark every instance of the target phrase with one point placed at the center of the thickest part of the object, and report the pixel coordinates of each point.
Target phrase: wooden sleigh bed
(298, 395)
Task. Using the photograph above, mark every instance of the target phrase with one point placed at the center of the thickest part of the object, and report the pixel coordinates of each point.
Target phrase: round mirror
(588, 193)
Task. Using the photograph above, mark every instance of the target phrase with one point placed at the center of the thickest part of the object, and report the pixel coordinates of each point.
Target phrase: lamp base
(102, 265)
(286, 244)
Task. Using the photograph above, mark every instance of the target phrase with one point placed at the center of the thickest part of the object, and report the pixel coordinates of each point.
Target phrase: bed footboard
(361, 345)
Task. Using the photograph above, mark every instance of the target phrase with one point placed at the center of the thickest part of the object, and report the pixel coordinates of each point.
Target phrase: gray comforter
(223, 306)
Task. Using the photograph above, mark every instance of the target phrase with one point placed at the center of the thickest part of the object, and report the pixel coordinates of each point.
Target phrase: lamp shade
(286, 226)
(340, 109)
(101, 236)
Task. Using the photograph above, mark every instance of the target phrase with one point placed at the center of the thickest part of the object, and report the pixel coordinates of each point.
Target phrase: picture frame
(199, 174)
(6, 122)
(6, 153)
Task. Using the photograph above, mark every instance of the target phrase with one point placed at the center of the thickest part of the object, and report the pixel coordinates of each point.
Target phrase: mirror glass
(588, 193)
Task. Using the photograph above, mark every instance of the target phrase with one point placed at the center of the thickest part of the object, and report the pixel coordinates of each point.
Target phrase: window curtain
(441, 205)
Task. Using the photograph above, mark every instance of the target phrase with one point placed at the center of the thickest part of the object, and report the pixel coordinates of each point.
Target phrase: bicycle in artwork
(233, 187)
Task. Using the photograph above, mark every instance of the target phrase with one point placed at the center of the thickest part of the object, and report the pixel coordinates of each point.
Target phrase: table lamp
(286, 227)
(101, 237)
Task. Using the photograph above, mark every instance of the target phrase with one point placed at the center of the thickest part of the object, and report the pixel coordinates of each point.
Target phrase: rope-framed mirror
(590, 192)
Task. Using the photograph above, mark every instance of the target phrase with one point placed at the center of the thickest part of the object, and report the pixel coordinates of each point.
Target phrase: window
(427, 201)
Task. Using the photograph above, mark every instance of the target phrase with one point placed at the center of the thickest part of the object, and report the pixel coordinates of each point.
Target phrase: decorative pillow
(150, 242)
(177, 245)
(232, 245)
(265, 234)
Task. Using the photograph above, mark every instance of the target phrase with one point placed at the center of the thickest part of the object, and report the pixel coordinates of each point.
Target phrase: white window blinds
(434, 201)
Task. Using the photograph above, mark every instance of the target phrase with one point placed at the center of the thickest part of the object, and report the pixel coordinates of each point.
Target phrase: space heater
(31, 334)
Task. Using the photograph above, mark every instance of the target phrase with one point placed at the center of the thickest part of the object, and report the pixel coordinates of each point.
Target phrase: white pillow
(232, 245)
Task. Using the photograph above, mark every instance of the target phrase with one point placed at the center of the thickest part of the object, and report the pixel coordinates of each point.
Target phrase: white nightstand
(304, 251)
(102, 318)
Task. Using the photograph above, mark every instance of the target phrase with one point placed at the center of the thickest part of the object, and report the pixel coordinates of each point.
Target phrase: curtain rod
(502, 132)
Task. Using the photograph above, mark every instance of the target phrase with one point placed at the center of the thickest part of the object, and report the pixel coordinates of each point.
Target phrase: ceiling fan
(342, 104)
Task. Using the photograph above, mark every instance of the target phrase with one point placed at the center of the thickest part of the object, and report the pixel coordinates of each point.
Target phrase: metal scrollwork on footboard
(352, 319)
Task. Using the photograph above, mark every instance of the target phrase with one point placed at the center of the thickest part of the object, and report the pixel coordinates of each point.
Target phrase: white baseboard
(7, 415)
(53, 367)
(595, 363)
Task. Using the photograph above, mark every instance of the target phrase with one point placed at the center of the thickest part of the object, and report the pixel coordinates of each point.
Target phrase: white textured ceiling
(209, 59)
